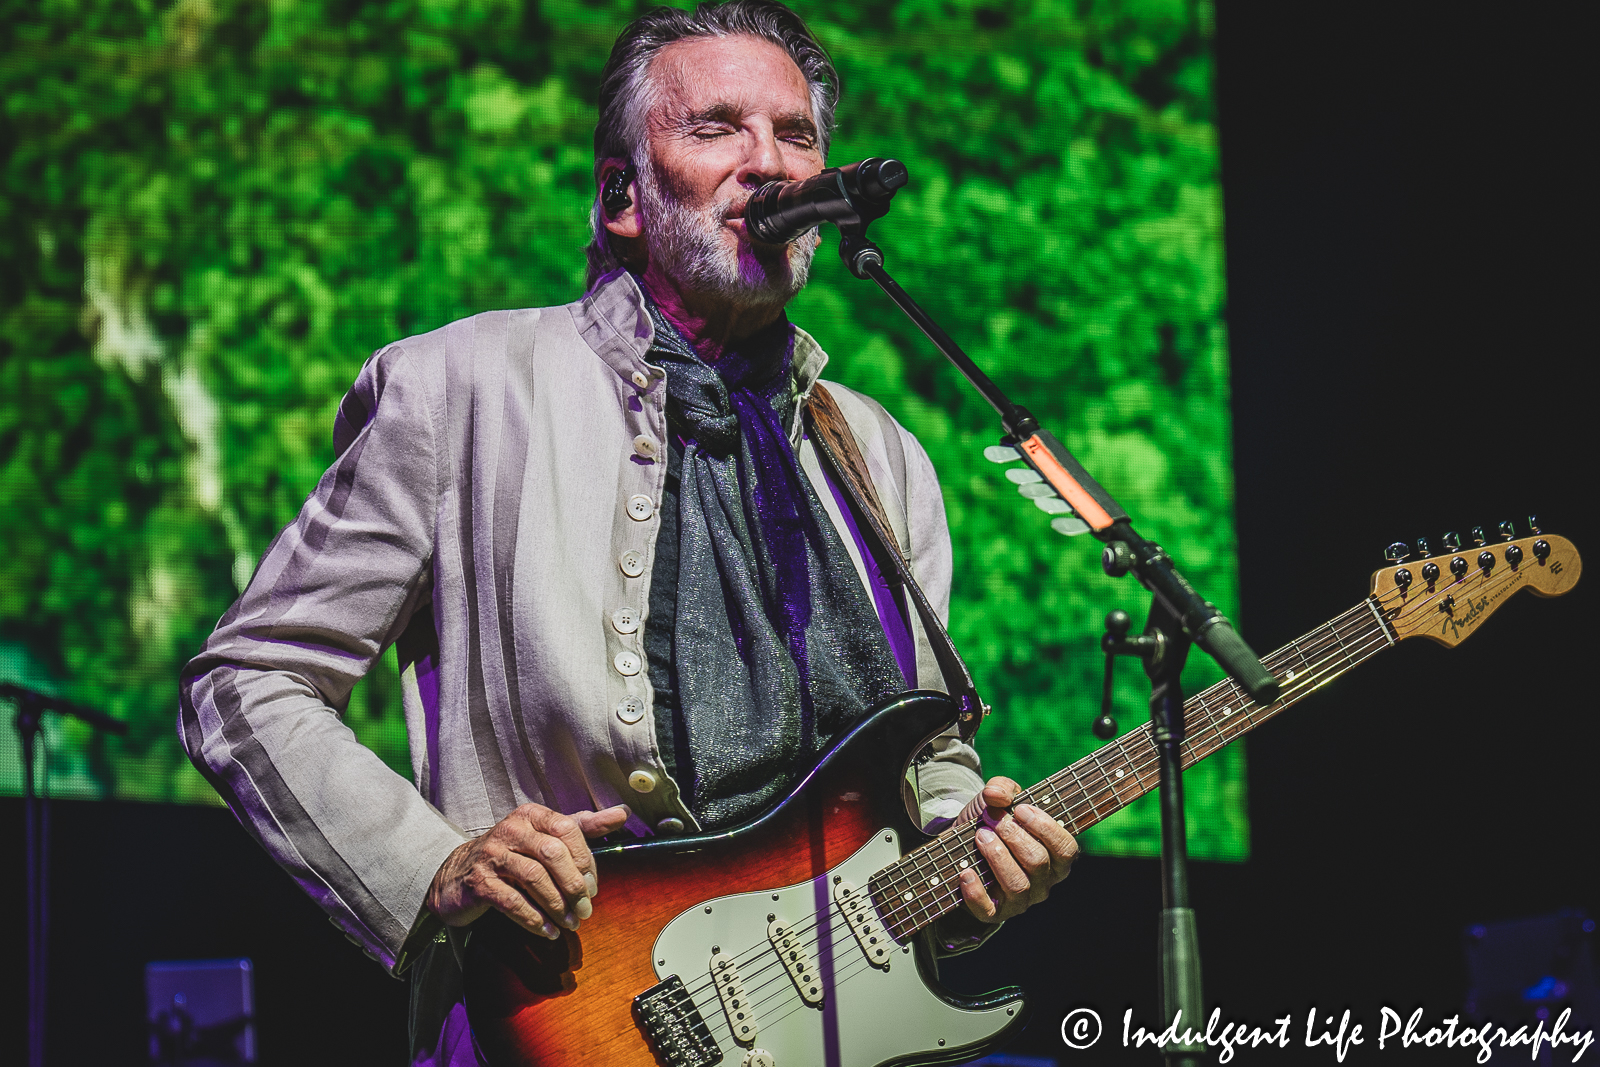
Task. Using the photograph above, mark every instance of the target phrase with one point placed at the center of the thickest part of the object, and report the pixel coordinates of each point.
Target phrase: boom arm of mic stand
(33, 701)
(1207, 626)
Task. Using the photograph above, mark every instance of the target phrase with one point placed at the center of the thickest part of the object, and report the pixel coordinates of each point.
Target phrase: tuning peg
(1000, 454)
(1422, 547)
(1397, 552)
(1452, 542)
(1533, 525)
(1508, 532)
(1478, 539)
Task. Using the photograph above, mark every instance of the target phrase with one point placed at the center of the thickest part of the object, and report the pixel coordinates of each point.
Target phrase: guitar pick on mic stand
(852, 198)
(29, 720)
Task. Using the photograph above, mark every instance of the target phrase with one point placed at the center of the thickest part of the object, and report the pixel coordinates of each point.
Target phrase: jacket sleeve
(260, 707)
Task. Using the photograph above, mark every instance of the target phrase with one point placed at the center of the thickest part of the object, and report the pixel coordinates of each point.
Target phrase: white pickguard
(875, 1015)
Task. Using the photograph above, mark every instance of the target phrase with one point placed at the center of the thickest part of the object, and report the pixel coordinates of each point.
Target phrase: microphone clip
(850, 197)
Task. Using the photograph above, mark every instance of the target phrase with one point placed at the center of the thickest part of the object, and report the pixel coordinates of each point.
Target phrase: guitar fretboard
(924, 884)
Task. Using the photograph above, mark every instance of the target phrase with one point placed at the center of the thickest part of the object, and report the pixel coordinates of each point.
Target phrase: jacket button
(646, 446)
(640, 508)
(627, 663)
(670, 825)
(630, 710)
(642, 781)
(632, 563)
(625, 620)
(641, 379)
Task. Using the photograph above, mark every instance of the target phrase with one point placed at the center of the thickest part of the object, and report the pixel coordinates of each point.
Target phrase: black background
(1409, 240)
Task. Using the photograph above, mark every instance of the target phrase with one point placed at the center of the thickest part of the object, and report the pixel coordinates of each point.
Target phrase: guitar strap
(836, 443)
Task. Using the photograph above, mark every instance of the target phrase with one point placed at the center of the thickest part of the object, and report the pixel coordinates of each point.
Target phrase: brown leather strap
(837, 445)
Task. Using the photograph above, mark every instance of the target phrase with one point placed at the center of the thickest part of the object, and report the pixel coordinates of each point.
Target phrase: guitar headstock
(1446, 597)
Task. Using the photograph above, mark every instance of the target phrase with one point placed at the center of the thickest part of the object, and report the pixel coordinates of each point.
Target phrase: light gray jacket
(492, 512)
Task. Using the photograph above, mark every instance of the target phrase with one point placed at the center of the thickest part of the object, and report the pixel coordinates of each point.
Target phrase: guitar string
(1208, 732)
(752, 1005)
(1319, 644)
(1306, 649)
(752, 952)
(1319, 661)
(923, 908)
(1318, 674)
(900, 880)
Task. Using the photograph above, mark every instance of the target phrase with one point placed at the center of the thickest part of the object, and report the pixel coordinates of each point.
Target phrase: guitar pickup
(863, 919)
(675, 1026)
(796, 960)
(735, 1001)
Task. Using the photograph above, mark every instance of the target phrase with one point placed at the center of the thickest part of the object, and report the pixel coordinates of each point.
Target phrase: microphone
(779, 212)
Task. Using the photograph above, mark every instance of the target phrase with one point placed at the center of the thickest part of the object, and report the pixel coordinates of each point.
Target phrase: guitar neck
(924, 884)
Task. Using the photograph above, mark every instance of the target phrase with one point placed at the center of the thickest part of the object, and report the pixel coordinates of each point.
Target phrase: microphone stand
(1178, 617)
(28, 721)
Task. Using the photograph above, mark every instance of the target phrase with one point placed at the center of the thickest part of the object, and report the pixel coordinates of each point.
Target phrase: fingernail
(583, 908)
(985, 835)
(591, 886)
(569, 920)
(549, 930)
(1026, 809)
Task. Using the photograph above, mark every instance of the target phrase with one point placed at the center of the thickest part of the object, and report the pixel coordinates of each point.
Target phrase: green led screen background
(214, 210)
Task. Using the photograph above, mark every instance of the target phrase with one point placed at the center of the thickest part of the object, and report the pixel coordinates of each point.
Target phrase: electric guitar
(791, 941)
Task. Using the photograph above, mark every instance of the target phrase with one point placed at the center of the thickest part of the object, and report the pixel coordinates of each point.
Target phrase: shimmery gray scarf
(777, 648)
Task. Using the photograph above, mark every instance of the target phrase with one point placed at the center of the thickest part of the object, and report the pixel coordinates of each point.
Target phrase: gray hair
(626, 93)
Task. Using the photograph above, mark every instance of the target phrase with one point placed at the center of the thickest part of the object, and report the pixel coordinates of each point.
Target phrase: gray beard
(686, 244)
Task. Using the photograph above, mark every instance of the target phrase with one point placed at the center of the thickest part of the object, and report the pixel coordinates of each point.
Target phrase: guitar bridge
(675, 1026)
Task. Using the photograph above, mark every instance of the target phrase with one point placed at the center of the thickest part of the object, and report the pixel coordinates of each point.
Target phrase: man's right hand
(534, 865)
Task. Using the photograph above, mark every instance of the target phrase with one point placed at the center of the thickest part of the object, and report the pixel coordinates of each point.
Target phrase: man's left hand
(1027, 850)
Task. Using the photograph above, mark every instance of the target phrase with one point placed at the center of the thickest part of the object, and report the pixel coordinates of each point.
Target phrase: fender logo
(1456, 621)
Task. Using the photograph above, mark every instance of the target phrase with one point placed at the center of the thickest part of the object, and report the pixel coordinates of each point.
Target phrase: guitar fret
(1099, 765)
(1340, 642)
(1084, 795)
(924, 884)
(930, 877)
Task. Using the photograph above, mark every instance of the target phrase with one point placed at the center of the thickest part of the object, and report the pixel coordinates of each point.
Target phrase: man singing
(623, 594)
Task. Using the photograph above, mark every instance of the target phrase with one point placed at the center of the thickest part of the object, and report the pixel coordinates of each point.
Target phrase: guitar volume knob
(758, 1057)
